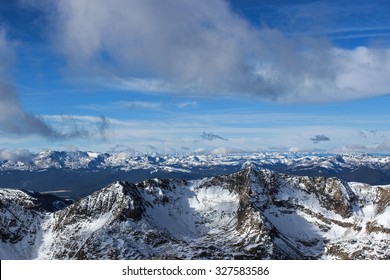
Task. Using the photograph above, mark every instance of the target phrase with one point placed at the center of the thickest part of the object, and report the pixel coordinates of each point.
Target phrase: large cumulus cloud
(203, 47)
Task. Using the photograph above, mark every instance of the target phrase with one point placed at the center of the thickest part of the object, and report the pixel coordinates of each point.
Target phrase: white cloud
(227, 150)
(172, 134)
(354, 148)
(138, 84)
(15, 155)
(383, 147)
(304, 150)
(248, 132)
(363, 72)
(139, 105)
(122, 150)
(189, 104)
(202, 47)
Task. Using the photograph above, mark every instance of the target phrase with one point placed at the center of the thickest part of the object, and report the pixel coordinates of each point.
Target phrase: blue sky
(195, 76)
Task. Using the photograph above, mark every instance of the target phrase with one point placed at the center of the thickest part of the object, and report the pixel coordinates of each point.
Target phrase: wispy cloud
(15, 155)
(172, 134)
(6, 52)
(328, 17)
(372, 133)
(13, 118)
(103, 127)
(82, 127)
(138, 105)
(189, 104)
(362, 134)
(383, 146)
(152, 148)
(210, 136)
(140, 84)
(349, 32)
(122, 149)
(320, 138)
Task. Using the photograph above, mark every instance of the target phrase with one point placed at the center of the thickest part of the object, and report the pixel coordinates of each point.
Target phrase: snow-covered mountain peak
(250, 214)
(80, 173)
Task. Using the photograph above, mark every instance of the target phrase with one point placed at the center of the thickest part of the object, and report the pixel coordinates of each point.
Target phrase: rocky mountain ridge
(74, 160)
(78, 174)
(251, 214)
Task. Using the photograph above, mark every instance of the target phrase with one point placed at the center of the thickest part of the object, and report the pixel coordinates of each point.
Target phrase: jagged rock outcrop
(252, 214)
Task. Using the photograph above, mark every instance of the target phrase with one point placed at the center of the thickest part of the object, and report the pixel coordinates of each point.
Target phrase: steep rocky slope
(252, 214)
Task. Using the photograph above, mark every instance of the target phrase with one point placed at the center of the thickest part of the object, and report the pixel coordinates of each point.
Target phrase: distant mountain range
(250, 214)
(77, 174)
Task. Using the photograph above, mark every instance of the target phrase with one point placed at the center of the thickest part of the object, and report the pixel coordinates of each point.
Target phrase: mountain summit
(252, 214)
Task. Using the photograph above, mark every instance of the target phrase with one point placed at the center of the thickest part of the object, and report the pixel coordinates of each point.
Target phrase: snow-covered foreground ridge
(252, 214)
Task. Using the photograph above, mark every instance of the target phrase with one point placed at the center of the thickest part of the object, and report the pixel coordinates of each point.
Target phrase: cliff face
(252, 214)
